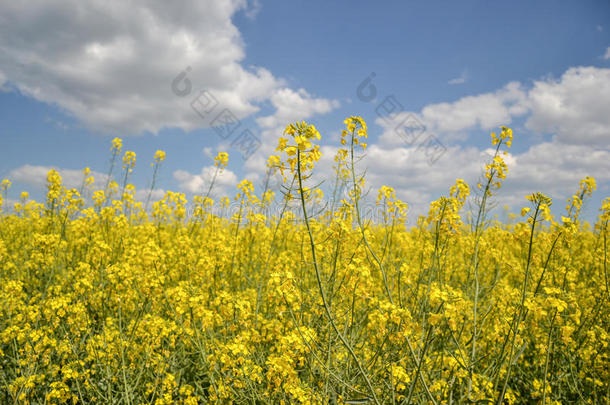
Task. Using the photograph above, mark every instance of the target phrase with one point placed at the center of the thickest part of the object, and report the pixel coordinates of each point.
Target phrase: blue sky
(74, 75)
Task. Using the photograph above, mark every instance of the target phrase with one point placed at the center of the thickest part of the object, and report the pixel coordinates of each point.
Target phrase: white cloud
(207, 151)
(293, 105)
(554, 167)
(550, 167)
(459, 80)
(290, 106)
(8, 203)
(111, 63)
(407, 170)
(36, 176)
(573, 108)
(142, 194)
(254, 7)
(607, 54)
(564, 164)
(451, 121)
(484, 111)
(224, 184)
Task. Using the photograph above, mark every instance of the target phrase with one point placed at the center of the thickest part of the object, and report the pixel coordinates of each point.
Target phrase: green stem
(521, 307)
(321, 288)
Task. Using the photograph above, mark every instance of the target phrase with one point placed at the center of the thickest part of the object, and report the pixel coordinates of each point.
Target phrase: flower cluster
(221, 160)
(542, 207)
(129, 161)
(159, 156)
(301, 152)
(356, 131)
(103, 300)
(445, 212)
(496, 170)
(391, 207)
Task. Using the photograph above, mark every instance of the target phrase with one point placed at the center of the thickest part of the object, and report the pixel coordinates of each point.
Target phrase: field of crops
(106, 299)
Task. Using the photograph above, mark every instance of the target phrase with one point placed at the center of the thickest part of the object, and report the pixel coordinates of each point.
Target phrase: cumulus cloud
(454, 120)
(36, 176)
(142, 195)
(111, 63)
(255, 7)
(459, 80)
(484, 111)
(550, 167)
(291, 105)
(554, 167)
(574, 108)
(607, 54)
(224, 184)
(407, 170)
(557, 168)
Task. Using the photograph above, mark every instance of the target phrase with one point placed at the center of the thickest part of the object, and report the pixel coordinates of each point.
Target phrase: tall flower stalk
(302, 157)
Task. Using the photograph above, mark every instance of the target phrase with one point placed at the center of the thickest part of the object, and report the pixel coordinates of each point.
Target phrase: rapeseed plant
(105, 300)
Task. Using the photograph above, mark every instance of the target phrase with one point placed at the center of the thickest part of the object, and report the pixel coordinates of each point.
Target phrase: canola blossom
(108, 299)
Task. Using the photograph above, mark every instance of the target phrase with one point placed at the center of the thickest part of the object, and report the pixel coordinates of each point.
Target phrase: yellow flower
(117, 145)
(159, 156)
(273, 161)
(98, 292)
(221, 160)
(129, 160)
(303, 150)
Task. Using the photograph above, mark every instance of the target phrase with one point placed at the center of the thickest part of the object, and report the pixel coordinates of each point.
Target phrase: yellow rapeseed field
(106, 299)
